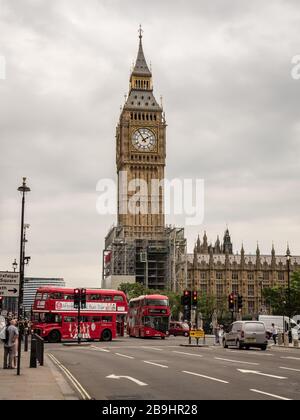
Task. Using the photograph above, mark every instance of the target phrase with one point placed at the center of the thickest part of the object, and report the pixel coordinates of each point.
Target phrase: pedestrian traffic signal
(76, 298)
(231, 302)
(1, 302)
(194, 298)
(83, 298)
(240, 301)
(186, 298)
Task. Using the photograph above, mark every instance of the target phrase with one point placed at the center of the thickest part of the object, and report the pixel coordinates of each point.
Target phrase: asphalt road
(145, 369)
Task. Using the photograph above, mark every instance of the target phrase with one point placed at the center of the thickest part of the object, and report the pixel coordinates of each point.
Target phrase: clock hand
(142, 135)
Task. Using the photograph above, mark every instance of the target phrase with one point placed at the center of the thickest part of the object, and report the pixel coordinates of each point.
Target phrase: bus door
(120, 325)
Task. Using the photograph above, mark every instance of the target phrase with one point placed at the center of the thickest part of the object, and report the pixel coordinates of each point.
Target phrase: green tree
(132, 290)
(278, 297)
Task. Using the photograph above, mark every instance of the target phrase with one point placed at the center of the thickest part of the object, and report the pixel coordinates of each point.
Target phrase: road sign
(9, 278)
(9, 291)
(9, 284)
(197, 333)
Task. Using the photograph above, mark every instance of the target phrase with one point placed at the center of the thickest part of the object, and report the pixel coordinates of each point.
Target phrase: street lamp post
(23, 190)
(15, 265)
(288, 260)
(283, 320)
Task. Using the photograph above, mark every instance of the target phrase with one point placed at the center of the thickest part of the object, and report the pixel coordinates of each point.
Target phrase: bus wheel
(106, 335)
(54, 336)
(162, 337)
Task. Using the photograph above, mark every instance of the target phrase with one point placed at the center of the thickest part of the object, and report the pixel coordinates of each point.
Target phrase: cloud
(232, 108)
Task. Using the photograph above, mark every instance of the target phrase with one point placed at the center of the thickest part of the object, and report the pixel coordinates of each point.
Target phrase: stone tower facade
(141, 248)
(141, 156)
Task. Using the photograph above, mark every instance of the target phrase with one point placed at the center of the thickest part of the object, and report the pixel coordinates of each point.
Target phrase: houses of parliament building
(214, 270)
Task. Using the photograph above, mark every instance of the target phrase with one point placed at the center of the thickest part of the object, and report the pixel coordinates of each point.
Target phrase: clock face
(144, 140)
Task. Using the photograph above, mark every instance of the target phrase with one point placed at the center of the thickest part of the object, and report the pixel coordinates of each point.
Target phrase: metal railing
(36, 351)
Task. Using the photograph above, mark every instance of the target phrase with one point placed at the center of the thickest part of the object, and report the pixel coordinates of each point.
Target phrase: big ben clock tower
(141, 248)
(140, 155)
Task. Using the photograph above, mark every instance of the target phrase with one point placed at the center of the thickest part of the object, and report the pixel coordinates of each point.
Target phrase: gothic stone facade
(215, 271)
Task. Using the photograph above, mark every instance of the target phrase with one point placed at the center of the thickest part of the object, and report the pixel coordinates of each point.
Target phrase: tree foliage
(278, 297)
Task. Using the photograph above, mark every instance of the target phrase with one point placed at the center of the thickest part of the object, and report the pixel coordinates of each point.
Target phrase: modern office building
(31, 285)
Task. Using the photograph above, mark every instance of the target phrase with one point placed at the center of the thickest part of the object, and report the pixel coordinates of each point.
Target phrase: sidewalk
(41, 383)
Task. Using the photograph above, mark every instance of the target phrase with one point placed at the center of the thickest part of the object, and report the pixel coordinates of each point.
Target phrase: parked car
(246, 334)
(179, 328)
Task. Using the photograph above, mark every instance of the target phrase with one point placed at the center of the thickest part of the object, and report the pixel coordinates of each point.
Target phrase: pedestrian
(217, 338)
(10, 343)
(274, 333)
(221, 334)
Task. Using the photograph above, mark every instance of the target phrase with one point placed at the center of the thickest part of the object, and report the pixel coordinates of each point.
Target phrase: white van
(297, 319)
(280, 322)
(246, 334)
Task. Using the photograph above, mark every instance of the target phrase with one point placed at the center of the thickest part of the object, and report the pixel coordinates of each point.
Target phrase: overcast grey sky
(232, 108)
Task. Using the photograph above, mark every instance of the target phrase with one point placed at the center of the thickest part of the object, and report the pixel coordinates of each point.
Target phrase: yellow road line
(83, 393)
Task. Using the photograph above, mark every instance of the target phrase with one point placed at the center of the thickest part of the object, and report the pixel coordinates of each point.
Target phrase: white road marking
(188, 354)
(84, 394)
(290, 358)
(286, 368)
(100, 349)
(255, 372)
(151, 348)
(156, 364)
(237, 361)
(140, 383)
(124, 355)
(270, 395)
(205, 377)
(254, 353)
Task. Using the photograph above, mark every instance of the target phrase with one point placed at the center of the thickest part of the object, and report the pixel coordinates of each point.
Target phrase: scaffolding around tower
(157, 263)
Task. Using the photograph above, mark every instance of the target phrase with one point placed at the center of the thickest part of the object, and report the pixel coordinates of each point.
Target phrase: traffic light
(240, 301)
(76, 298)
(1, 302)
(231, 302)
(194, 298)
(83, 298)
(186, 298)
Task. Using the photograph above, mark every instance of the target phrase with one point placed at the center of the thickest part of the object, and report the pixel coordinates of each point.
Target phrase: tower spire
(141, 32)
(141, 67)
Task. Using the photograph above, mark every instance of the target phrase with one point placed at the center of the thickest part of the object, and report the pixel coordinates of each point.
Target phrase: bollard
(42, 353)
(26, 341)
(286, 340)
(33, 349)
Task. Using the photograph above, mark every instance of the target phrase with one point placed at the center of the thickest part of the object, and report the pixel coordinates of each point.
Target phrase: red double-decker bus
(55, 318)
(148, 316)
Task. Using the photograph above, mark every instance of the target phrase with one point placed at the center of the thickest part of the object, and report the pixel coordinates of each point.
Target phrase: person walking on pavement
(221, 334)
(274, 333)
(12, 335)
(217, 337)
